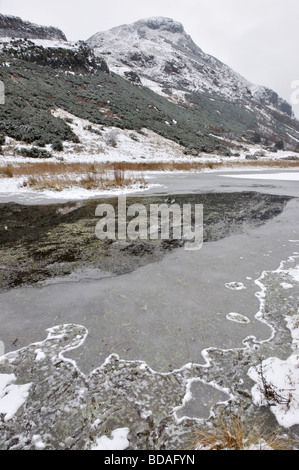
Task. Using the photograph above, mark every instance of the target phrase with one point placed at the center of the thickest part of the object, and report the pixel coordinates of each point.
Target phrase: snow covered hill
(168, 61)
(177, 90)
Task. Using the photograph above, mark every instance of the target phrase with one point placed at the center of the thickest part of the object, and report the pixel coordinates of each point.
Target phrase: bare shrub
(272, 395)
(111, 138)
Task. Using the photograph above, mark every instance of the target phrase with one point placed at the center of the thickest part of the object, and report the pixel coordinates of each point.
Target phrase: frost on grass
(277, 385)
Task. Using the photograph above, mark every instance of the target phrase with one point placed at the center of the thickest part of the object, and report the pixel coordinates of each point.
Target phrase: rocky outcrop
(78, 58)
(15, 27)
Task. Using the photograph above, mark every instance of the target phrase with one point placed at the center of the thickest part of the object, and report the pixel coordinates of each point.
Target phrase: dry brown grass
(7, 171)
(231, 434)
(198, 165)
(48, 168)
(58, 175)
(63, 168)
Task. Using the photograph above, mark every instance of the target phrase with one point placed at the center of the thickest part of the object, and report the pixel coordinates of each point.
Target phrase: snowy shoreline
(130, 147)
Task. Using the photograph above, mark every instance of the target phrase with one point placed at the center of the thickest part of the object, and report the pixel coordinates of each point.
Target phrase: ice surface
(293, 176)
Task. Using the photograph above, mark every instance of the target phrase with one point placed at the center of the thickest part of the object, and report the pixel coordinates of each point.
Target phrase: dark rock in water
(15, 27)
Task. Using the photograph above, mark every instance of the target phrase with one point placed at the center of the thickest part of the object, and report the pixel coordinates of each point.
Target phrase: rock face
(15, 27)
(78, 57)
(167, 60)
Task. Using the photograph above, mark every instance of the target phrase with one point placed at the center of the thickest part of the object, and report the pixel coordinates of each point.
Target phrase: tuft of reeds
(62, 176)
(231, 434)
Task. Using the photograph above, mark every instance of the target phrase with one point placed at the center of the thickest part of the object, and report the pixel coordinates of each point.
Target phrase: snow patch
(235, 285)
(277, 385)
(237, 317)
(119, 441)
(40, 355)
(38, 442)
(294, 273)
(12, 397)
(286, 285)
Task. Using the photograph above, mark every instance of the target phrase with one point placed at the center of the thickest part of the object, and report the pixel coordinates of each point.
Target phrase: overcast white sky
(257, 38)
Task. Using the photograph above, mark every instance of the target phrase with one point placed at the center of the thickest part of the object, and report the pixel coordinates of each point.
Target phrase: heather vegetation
(33, 89)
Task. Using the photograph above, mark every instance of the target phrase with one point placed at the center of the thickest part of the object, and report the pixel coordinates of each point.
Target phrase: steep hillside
(33, 89)
(42, 75)
(39, 77)
(160, 50)
(160, 53)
